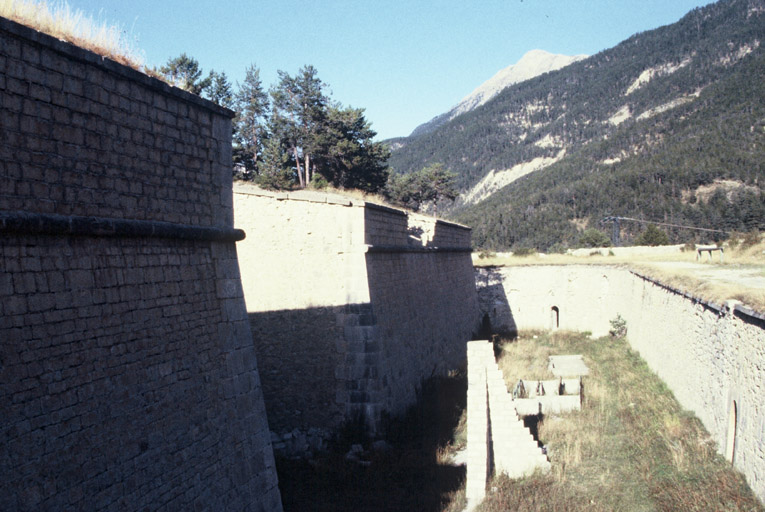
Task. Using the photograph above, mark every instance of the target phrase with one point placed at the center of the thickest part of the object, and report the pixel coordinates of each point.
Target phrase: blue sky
(403, 61)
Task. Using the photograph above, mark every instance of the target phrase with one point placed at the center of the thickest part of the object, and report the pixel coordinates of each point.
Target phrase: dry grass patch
(632, 447)
(712, 291)
(72, 25)
(529, 361)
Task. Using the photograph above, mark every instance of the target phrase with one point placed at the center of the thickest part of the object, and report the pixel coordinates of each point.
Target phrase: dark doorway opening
(554, 317)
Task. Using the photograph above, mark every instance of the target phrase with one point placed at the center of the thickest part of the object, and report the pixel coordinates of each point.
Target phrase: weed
(618, 327)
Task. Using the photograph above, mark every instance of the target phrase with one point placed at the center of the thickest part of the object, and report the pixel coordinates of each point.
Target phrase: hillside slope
(533, 63)
(646, 129)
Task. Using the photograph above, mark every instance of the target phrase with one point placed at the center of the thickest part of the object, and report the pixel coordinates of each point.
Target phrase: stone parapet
(86, 136)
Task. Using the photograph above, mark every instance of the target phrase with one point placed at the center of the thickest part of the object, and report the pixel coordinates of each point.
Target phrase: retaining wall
(128, 380)
(351, 306)
(710, 356)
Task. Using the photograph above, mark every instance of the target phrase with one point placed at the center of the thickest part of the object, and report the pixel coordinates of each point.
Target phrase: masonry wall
(352, 305)
(127, 375)
(710, 356)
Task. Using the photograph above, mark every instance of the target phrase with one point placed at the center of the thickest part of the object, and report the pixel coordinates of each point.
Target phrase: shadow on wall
(352, 306)
(425, 307)
(496, 316)
(319, 363)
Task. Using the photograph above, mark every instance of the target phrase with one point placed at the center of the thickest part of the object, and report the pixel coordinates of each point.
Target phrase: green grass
(631, 448)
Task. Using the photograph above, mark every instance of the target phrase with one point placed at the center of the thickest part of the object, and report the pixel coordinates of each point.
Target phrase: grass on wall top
(74, 26)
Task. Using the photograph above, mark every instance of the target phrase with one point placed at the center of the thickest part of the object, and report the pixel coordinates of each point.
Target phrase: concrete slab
(568, 366)
(550, 404)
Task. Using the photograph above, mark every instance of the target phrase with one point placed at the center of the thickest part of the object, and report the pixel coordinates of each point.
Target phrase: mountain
(668, 126)
(533, 63)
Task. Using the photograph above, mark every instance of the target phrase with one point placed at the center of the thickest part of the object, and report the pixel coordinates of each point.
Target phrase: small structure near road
(709, 250)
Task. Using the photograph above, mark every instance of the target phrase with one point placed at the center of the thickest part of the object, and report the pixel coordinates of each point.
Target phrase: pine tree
(251, 105)
(220, 90)
(184, 72)
(300, 105)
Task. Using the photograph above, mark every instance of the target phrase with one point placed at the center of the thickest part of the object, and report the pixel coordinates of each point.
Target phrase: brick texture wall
(128, 380)
(86, 136)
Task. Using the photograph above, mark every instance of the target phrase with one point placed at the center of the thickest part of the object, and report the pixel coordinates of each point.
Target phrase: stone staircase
(495, 432)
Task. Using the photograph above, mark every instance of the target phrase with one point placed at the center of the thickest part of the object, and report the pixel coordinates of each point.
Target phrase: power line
(663, 224)
(615, 231)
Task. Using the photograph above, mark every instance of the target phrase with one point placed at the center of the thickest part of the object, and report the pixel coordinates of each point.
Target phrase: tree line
(294, 135)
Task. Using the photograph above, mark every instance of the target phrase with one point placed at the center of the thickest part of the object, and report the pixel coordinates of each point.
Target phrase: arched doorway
(554, 317)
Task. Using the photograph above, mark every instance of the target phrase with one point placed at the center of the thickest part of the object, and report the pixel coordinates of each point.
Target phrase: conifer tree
(300, 105)
(184, 72)
(251, 105)
(220, 90)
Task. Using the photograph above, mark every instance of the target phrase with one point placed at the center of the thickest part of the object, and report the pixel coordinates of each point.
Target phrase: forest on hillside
(695, 156)
(683, 150)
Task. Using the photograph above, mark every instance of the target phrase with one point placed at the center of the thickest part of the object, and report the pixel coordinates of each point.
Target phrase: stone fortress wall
(128, 378)
(351, 304)
(710, 356)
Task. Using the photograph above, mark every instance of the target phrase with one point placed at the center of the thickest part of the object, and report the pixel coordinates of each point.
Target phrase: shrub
(750, 239)
(557, 248)
(652, 236)
(594, 238)
(318, 183)
(524, 251)
(618, 327)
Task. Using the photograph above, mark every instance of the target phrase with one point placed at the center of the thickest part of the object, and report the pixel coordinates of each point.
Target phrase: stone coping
(732, 305)
(316, 196)
(51, 224)
(311, 196)
(76, 53)
(404, 248)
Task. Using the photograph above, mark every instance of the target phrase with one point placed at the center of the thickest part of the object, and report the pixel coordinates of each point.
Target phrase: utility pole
(615, 229)
(615, 239)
